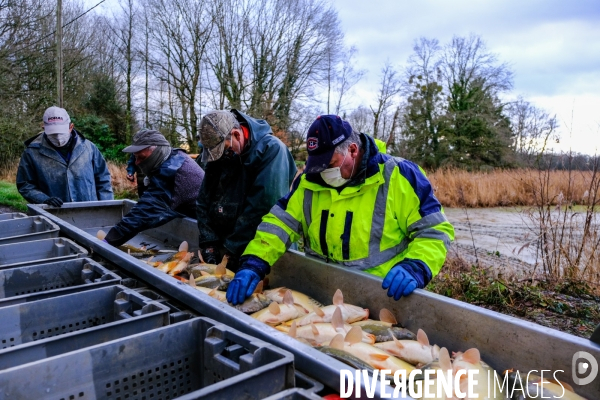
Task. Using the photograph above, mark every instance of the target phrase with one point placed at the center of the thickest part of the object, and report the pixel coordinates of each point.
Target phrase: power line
(53, 32)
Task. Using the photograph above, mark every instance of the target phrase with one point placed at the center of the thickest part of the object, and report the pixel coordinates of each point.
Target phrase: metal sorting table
(77, 327)
(504, 342)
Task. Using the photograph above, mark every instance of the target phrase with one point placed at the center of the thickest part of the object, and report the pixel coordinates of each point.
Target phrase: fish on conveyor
(254, 303)
(532, 387)
(416, 352)
(487, 379)
(220, 282)
(377, 358)
(299, 298)
(350, 313)
(175, 266)
(129, 249)
(212, 269)
(345, 357)
(384, 329)
(277, 313)
(323, 332)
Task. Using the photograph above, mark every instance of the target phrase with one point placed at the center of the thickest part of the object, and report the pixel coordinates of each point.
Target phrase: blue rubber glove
(400, 282)
(242, 286)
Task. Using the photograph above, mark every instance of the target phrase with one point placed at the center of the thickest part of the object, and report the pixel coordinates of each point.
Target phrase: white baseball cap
(56, 120)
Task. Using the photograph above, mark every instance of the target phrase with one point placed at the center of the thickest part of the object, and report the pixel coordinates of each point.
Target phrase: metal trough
(504, 342)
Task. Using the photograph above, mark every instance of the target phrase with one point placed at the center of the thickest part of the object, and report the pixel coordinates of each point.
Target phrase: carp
(385, 330)
(526, 387)
(276, 313)
(345, 357)
(322, 332)
(207, 280)
(416, 352)
(350, 313)
(487, 384)
(181, 265)
(299, 298)
(129, 249)
(211, 269)
(377, 358)
(254, 303)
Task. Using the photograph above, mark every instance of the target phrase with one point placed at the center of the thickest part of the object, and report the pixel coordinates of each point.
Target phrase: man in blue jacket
(172, 180)
(60, 165)
(247, 171)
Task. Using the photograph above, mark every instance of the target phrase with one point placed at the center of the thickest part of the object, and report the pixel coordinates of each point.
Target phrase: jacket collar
(369, 172)
(49, 151)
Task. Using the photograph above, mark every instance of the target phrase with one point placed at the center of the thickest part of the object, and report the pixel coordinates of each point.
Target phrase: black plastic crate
(41, 281)
(29, 322)
(27, 229)
(38, 252)
(198, 358)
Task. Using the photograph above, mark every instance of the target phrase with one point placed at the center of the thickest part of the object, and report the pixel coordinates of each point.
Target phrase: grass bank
(10, 197)
(569, 306)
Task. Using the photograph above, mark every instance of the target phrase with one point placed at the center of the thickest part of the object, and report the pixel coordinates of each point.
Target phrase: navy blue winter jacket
(171, 193)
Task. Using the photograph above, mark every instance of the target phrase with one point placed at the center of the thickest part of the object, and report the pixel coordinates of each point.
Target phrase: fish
(346, 358)
(254, 303)
(486, 383)
(220, 282)
(214, 293)
(299, 298)
(152, 263)
(323, 332)
(181, 265)
(350, 313)
(442, 363)
(416, 352)
(535, 388)
(277, 313)
(385, 329)
(375, 357)
(212, 269)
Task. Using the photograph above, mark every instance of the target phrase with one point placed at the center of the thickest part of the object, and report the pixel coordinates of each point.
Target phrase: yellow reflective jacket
(387, 214)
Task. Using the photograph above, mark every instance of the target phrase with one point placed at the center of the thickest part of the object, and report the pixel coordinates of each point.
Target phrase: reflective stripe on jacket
(390, 216)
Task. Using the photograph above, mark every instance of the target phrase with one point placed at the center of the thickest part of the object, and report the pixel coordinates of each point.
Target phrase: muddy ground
(501, 241)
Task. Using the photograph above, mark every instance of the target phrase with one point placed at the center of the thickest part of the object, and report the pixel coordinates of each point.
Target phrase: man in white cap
(60, 165)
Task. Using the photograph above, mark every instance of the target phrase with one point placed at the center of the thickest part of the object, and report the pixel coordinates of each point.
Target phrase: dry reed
(458, 188)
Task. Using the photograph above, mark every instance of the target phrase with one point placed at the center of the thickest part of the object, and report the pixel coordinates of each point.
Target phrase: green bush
(98, 132)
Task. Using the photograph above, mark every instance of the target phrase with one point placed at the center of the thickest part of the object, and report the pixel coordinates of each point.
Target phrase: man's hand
(53, 201)
(400, 282)
(242, 286)
(209, 255)
(130, 177)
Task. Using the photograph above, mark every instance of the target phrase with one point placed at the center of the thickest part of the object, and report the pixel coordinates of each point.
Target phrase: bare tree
(390, 87)
(181, 31)
(346, 78)
(532, 128)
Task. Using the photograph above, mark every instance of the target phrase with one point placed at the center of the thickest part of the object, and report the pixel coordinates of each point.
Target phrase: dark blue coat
(171, 193)
(237, 193)
(44, 173)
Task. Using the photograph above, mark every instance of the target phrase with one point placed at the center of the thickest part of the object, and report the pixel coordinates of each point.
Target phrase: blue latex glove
(400, 282)
(242, 286)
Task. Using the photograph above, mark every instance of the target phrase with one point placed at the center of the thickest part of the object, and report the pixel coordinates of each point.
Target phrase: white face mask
(59, 139)
(333, 176)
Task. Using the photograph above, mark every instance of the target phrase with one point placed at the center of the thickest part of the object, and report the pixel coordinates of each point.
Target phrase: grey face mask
(58, 139)
(158, 156)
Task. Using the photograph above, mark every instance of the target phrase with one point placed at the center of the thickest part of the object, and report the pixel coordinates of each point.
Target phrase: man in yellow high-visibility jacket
(356, 207)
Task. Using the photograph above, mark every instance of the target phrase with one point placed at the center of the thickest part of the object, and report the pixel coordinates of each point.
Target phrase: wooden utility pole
(59, 54)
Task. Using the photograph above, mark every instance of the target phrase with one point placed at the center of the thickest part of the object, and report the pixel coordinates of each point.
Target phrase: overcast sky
(553, 47)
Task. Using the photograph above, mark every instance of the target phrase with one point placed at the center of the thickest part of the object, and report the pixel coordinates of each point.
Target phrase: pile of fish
(345, 332)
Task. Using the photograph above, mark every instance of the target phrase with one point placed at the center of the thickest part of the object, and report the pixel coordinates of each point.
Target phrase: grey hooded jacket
(44, 173)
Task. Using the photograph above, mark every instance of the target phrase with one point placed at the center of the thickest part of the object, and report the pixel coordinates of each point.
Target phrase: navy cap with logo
(323, 136)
